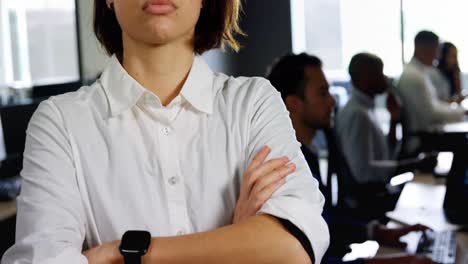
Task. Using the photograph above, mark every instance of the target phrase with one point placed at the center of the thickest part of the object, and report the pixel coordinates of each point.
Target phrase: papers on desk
(430, 217)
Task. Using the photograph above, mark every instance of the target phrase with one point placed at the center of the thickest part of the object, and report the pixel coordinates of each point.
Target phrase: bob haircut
(216, 27)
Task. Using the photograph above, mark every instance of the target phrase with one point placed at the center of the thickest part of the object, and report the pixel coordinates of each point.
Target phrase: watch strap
(132, 259)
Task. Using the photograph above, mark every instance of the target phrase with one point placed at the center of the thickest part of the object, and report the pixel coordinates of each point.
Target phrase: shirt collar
(198, 88)
(362, 98)
(123, 92)
(418, 64)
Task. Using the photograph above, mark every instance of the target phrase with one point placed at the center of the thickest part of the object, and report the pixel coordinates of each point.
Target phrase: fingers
(259, 158)
(413, 228)
(262, 178)
(400, 244)
(273, 177)
(420, 227)
(266, 168)
(265, 188)
(261, 197)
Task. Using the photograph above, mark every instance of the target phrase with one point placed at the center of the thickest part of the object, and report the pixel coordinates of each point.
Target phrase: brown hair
(216, 27)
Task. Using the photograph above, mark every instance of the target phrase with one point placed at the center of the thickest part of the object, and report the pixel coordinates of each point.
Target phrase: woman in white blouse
(160, 143)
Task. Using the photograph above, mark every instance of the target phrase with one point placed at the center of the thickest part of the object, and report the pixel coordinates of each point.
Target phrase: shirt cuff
(300, 236)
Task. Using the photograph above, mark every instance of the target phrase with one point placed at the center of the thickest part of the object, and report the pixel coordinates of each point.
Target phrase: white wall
(6, 64)
(93, 57)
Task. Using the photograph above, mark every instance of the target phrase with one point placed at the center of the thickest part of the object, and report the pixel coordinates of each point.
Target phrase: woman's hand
(104, 254)
(260, 181)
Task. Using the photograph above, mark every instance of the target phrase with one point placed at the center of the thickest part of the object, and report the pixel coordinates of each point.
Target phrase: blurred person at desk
(373, 157)
(162, 160)
(422, 108)
(365, 146)
(447, 76)
(305, 91)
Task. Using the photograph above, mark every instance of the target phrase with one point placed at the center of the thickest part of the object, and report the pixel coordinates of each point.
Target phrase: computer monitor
(15, 119)
(456, 197)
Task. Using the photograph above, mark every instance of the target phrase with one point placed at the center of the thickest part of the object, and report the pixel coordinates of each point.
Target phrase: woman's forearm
(261, 239)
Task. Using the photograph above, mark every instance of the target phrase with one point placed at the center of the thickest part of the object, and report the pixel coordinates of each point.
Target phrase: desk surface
(7, 210)
(449, 128)
(424, 198)
(461, 127)
(421, 202)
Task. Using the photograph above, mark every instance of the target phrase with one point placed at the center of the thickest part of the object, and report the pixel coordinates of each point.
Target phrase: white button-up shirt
(109, 158)
(362, 140)
(422, 109)
(441, 84)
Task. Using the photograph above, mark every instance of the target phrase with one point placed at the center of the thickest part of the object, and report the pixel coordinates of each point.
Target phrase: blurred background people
(362, 140)
(422, 108)
(446, 76)
(305, 91)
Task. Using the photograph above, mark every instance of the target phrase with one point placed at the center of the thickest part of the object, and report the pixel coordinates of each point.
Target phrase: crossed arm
(251, 239)
(52, 223)
(260, 239)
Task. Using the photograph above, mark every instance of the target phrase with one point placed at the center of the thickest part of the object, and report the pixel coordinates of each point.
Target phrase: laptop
(441, 247)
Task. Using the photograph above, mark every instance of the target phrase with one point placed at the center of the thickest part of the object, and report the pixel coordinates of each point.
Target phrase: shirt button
(166, 131)
(173, 180)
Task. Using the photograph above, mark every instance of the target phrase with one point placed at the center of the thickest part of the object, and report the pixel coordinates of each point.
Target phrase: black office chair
(428, 157)
(15, 119)
(362, 201)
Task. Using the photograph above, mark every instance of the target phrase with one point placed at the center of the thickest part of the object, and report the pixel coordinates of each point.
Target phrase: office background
(49, 45)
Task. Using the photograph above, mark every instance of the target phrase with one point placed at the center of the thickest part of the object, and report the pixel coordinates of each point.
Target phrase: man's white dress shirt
(109, 158)
(362, 140)
(441, 84)
(422, 110)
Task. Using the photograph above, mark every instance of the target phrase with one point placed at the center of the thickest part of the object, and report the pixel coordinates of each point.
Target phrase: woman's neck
(162, 70)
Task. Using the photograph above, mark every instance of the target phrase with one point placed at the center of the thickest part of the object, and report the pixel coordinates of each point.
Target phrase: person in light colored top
(362, 140)
(422, 109)
(162, 144)
(446, 76)
(441, 85)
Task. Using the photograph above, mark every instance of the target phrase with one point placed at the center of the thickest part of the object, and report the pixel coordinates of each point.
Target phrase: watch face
(135, 242)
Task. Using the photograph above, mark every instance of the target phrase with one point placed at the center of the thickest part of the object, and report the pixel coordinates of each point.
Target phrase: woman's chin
(161, 33)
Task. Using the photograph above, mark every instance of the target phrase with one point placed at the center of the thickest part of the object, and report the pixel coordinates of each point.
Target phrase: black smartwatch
(134, 245)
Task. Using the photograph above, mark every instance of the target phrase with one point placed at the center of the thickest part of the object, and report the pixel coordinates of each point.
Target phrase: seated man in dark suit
(305, 91)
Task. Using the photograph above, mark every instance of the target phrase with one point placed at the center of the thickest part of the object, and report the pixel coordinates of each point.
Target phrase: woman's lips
(159, 7)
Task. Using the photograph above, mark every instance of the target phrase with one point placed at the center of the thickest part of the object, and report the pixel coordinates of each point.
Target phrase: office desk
(422, 202)
(7, 210)
(449, 137)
